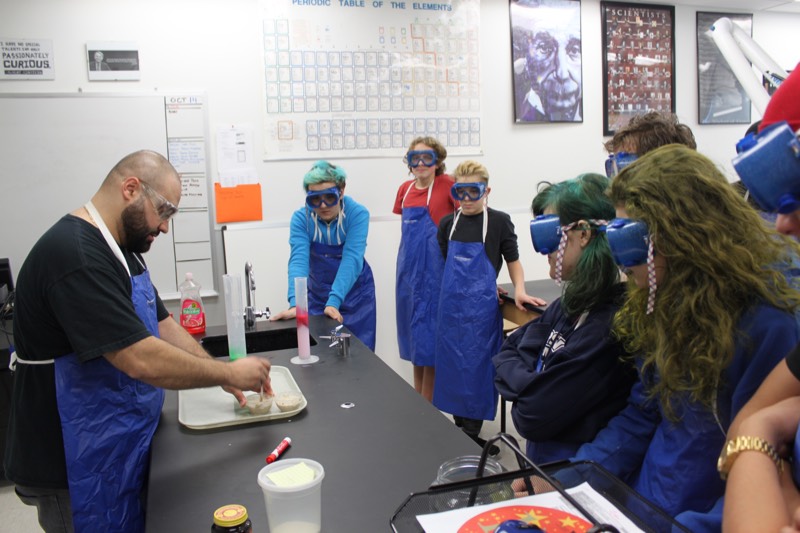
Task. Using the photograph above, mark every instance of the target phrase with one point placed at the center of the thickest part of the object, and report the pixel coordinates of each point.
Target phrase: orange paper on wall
(241, 203)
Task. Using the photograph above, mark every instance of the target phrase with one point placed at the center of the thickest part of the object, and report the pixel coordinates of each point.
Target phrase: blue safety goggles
(324, 198)
(546, 233)
(616, 162)
(468, 191)
(769, 166)
(629, 241)
(415, 158)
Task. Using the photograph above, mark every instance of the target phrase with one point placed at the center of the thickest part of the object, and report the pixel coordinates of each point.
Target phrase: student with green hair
(570, 347)
(328, 238)
(708, 314)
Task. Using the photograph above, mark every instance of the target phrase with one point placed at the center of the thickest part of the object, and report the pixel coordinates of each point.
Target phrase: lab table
(543, 288)
(389, 444)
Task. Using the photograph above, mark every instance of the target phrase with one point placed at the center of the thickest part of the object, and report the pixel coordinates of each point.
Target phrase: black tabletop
(375, 454)
(543, 288)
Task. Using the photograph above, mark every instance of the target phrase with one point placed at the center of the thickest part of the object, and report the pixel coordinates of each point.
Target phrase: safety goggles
(164, 208)
(415, 158)
(629, 241)
(769, 166)
(546, 233)
(324, 198)
(468, 191)
(617, 161)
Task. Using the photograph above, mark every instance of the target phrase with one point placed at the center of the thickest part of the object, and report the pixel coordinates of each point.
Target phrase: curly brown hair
(650, 131)
(721, 261)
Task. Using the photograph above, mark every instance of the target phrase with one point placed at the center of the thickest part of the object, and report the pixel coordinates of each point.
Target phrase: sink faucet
(250, 310)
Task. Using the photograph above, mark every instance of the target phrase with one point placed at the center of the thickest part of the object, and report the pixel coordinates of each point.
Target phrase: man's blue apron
(419, 277)
(358, 307)
(108, 420)
(470, 331)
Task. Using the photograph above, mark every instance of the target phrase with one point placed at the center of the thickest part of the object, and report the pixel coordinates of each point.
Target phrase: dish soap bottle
(193, 319)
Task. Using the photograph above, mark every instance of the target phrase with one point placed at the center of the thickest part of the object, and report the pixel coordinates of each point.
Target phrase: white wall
(215, 46)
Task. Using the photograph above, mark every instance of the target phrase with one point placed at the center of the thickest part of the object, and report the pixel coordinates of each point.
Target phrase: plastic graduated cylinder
(234, 315)
(304, 356)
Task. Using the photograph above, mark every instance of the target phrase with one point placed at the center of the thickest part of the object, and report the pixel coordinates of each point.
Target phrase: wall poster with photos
(721, 99)
(546, 57)
(638, 61)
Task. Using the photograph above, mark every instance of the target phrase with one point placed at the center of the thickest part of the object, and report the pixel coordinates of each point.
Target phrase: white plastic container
(297, 508)
(193, 317)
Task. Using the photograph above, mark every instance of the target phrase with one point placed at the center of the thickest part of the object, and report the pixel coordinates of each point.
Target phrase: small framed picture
(638, 61)
(547, 60)
(112, 60)
(721, 99)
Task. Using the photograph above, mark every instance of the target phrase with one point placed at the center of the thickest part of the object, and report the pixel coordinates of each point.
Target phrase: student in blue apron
(469, 328)
(328, 238)
(708, 315)
(570, 346)
(422, 202)
(762, 455)
(94, 348)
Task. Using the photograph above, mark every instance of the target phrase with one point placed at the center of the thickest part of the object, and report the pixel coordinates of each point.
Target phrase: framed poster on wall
(546, 58)
(721, 99)
(638, 61)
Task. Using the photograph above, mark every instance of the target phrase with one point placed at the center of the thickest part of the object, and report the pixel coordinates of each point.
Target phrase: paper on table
(490, 515)
(290, 476)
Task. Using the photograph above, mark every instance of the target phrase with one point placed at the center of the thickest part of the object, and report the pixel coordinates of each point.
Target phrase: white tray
(212, 407)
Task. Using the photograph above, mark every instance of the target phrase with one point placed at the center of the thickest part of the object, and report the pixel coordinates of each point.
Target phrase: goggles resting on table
(415, 158)
(324, 198)
(617, 161)
(769, 165)
(629, 241)
(468, 191)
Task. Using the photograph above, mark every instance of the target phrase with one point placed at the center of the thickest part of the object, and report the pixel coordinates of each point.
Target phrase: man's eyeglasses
(415, 158)
(324, 198)
(164, 208)
(468, 191)
(617, 161)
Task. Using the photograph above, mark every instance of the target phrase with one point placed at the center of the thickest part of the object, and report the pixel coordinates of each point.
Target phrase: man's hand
(248, 373)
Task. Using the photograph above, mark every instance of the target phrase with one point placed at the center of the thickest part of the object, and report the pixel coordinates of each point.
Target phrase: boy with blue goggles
(473, 191)
(324, 198)
(769, 165)
(415, 158)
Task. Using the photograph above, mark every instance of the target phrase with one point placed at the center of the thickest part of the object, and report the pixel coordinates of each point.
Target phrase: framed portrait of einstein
(546, 59)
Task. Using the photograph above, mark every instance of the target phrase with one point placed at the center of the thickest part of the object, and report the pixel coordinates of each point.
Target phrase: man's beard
(136, 230)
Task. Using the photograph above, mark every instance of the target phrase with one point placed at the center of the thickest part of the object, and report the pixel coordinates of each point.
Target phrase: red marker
(278, 451)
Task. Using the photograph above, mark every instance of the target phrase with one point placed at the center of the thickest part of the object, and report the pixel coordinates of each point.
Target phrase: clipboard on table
(240, 203)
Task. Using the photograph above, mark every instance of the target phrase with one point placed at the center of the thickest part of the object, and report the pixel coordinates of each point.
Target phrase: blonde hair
(471, 168)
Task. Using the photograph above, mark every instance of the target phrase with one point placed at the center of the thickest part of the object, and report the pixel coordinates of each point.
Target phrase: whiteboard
(55, 151)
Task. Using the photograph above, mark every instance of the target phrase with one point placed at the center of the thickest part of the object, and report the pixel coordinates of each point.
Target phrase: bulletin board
(56, 149)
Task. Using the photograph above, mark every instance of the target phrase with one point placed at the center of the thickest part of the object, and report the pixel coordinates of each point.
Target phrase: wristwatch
(745, 443)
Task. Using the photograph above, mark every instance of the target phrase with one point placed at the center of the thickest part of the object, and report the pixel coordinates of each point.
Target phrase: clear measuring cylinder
(234, 315)
(301, 313)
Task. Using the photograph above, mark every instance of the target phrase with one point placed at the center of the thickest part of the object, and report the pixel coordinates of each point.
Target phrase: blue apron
(419, 277)
(108, 420)
(469, 333)
(358, 307)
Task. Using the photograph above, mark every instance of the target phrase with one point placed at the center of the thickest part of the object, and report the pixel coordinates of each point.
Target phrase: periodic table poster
(363, 78)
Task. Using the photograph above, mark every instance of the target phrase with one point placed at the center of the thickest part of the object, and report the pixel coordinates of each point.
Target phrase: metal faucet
(250, 310)
(342, 340)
